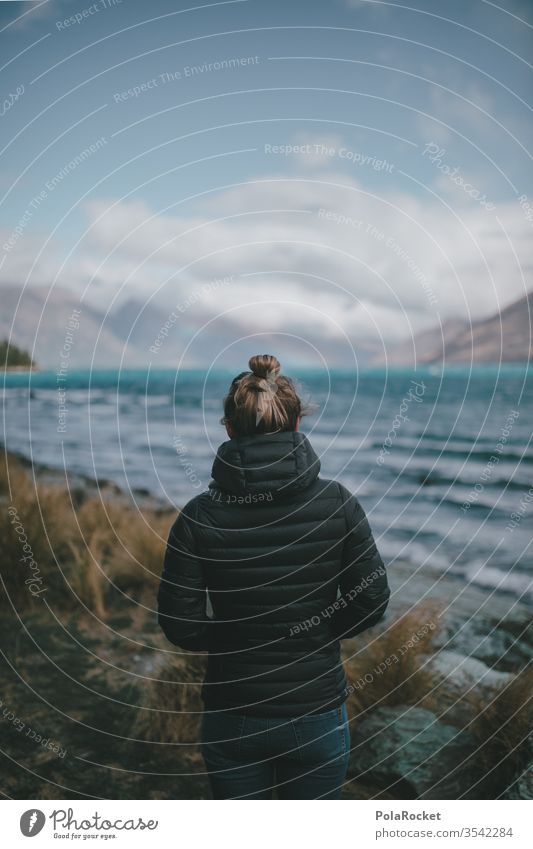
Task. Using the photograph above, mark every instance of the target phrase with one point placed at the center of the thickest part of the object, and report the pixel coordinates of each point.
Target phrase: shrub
(502, 728)
(171, 706)
(11, 355)
(79, 550)
(391, 668)
(88, 580)
(138, 556)
(37, 521)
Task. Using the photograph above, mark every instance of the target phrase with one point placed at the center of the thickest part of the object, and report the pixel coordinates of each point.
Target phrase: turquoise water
(439, 460)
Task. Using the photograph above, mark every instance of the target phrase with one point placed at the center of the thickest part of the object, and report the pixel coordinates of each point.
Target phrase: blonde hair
(262, 400)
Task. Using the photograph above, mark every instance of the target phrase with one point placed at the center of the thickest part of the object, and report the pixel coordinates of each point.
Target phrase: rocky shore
(480, 665)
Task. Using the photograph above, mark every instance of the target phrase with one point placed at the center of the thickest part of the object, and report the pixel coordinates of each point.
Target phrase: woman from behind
(291, 568)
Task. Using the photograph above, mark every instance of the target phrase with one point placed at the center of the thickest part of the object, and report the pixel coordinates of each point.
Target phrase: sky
(356, 168)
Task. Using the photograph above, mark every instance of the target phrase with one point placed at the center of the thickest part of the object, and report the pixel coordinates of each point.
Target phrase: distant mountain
(42, 327)
(423, 346)
(136, 323)
(505, 336)
(133, 328)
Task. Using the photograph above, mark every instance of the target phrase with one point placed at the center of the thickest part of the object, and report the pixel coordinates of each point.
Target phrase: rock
(406, 751)
(523, 788)
(462, 673)
(507, 645)
(493, 627)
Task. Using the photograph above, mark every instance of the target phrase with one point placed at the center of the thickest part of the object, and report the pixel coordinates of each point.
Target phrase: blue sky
(314, 151)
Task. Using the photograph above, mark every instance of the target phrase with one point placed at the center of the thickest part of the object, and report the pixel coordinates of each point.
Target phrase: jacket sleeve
(364, 589)
(182, 597)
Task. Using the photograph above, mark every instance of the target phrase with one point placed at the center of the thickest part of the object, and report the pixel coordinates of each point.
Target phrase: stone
(523, 788)
(462, 673)
(407, 752)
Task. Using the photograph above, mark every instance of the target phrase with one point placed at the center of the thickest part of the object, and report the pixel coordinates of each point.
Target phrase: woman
(291, 568)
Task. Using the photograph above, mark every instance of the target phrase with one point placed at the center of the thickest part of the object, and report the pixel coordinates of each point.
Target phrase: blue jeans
(305, 758)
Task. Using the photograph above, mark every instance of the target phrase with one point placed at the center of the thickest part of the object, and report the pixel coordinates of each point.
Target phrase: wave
(514, 581)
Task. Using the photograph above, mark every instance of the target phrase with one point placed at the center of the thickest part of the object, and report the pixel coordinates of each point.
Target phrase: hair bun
(264, 365)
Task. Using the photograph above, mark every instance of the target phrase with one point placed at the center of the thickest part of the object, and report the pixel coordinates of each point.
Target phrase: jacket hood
(276, 464)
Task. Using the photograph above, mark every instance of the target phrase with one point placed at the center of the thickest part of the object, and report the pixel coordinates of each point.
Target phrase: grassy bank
(93, 550)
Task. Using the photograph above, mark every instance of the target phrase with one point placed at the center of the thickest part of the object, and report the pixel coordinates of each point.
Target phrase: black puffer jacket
(291, 567)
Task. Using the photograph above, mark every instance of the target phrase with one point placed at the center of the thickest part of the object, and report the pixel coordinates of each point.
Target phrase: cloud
(24, 14)
(375, 5)
(312, 251)
(467, 106)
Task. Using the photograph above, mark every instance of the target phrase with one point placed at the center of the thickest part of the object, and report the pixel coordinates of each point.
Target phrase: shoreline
(54, 476)
(430, 369)
(23, 369)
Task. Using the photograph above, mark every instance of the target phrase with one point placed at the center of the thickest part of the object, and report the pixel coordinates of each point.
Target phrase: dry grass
(44, 517)
(502, 721)
(136, 563)
(79, 551)
(171, 706)
(87, 579)
(131, 545)
(503, 727)
(12, 475)
(391, 671)
(104, 515)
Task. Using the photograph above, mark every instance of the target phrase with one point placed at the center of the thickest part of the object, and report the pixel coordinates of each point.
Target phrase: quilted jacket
(286, 563)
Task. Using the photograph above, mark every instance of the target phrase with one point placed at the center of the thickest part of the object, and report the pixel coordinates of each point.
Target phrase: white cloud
(370, 4)
(467, 106)
(24, 14)
(304, 268)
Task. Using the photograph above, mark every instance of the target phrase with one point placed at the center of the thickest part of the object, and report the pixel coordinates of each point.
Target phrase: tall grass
(503, 729)
(500, 717)
(171, 707)
(41, 527)
(86, 551)
(391, 668)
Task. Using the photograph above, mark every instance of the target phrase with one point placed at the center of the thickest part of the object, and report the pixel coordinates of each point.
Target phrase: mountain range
(505, 336)
(38, 320)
